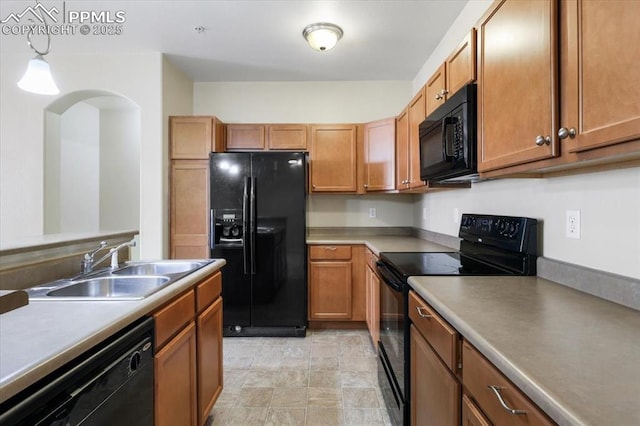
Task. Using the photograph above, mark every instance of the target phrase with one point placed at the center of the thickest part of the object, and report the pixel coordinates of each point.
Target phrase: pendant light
(322, 36)
(38, 79)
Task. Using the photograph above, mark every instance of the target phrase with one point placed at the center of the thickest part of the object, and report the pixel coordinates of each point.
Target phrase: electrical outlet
(573, 224)
(372, 212)
(424, 213)
(456, 215)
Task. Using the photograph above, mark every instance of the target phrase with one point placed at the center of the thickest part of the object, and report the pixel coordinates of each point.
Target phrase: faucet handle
(90, 255)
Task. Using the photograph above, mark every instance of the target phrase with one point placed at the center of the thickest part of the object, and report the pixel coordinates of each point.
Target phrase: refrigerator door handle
(252, 224)
(212, 230)
(246, 211)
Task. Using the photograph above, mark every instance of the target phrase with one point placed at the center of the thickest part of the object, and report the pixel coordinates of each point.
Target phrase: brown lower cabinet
(188, 360)
(443, 363)
(435, 391)
(372, 287)
(336, 283)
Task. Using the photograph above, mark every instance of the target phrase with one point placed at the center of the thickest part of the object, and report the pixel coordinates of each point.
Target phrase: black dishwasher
(111, 384)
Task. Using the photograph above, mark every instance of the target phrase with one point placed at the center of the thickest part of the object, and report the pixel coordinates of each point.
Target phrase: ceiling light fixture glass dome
(322, 36)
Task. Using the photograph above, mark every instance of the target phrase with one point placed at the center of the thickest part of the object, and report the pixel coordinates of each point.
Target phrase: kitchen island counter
(37, 339)
(575, 355)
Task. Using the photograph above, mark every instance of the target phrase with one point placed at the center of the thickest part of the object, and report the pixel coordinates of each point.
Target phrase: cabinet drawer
(171, 318)
(440, 335)
(478, 374)
(329, 252)
(208, 291)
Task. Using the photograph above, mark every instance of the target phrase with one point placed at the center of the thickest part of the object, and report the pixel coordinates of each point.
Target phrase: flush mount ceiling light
(38, 78)
(322, 36)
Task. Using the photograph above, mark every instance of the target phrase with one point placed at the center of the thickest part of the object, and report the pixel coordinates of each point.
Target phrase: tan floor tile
(351, 350)
(247, 416)
(292, 378)
(289, 397)
(363, 416)
(234, 378)
(324, 350)
(301, 363)
(324, 397)
(324, 363)
(259, 378)
(286, 417)
(358, 379)
(324, 379)
(325, 416)
(237, 362)
(360, 398)
(349, 363)
(349, 339)
(220, 415)
(254, 397)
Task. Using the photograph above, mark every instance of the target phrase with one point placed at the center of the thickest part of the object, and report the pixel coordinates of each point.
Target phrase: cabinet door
(175, 381)
(245, 137)
(601, 79)
(330, 290)
(287, 136)
(471, 414)
(189, 209)
(402, 150)
(517, 83)
(460, 67)
(379, 155)
(436, 90)
(209, 332)
(193, 138)
(435, 392)
(333, 160)
(416, 116)
(373, 304)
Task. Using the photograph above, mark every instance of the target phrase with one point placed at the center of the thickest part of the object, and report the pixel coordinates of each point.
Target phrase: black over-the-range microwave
(448, 148)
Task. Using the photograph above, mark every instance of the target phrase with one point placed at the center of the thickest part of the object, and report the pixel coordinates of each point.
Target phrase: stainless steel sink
(122, 287)
(133, 281)
(159, 268)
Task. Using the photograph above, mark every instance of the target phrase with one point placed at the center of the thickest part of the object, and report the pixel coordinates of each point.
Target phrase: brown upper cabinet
(255, 137)
(194, 137)
(416, 116)
(517, 91)
(379, 155)
(287, 136)
(333, 158)
(600, 77)
(245, 137)
(552, 99)
(458, 70)
(402, 150)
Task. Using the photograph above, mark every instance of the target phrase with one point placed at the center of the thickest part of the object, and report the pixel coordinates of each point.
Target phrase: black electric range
(490, 245)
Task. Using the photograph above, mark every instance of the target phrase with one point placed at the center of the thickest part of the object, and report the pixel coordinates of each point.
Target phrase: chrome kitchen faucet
(88, 263)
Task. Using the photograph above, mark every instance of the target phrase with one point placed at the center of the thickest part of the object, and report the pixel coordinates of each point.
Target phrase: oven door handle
(388, 278)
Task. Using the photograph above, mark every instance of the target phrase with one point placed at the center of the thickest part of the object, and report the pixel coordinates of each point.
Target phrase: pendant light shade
(322, 36)
(38, 78)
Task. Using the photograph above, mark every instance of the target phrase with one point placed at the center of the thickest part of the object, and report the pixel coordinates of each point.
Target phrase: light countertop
(576, 356)
(38, 338)
(380, 243)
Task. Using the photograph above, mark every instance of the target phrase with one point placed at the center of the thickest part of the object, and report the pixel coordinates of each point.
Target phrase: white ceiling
(260, 40)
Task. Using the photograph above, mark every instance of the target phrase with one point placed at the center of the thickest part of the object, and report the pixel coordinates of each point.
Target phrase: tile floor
(326, 378)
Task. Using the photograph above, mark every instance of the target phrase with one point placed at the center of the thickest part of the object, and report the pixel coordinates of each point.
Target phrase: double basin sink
(132, 281)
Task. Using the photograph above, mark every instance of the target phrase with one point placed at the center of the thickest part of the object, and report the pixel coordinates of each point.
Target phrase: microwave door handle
(447, 139)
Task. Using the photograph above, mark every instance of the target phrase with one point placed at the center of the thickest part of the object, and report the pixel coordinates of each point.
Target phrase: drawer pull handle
(496, 390)
(422, 312)
(331, 248)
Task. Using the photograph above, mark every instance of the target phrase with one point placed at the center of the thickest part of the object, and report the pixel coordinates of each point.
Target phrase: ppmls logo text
(40, 19)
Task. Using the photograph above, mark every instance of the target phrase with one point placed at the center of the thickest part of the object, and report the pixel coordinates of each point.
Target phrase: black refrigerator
(258, 225)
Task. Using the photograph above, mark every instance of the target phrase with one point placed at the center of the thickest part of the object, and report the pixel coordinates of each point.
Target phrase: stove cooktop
(438, 263)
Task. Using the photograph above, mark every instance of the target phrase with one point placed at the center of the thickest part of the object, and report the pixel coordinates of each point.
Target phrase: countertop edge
(13, 384)
(533, 390)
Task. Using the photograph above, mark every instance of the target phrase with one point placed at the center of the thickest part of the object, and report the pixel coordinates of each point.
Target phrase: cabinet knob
(366, 186)
(438, 97)
(542, 140)
(564, 133)
(444, 92)
(313, 186)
